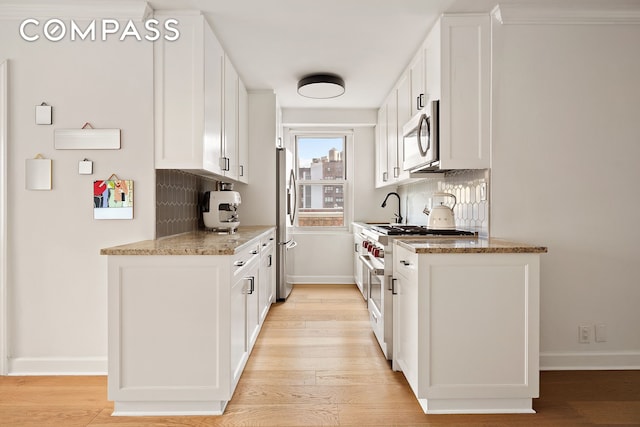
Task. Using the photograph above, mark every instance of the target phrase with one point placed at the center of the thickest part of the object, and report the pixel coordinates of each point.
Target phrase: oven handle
(367, 262)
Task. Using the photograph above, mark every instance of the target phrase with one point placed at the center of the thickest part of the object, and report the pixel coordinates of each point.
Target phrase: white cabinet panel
(243, 133)
(465, 92)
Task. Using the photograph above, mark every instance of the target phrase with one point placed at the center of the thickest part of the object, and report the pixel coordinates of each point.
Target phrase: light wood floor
(316, 363)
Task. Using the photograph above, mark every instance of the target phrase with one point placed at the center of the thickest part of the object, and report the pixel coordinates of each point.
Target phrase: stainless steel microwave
(420, 139)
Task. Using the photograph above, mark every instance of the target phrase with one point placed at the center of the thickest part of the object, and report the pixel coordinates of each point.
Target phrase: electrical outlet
(584, 334)
(483, 191)
(601, 332)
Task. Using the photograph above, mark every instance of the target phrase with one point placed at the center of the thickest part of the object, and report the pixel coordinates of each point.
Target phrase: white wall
(565, 174)
(57, 278)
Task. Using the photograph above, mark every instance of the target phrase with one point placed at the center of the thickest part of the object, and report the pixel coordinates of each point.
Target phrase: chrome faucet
(384, 204)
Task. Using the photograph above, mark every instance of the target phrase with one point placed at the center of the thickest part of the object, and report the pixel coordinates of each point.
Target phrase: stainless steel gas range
(377, 272)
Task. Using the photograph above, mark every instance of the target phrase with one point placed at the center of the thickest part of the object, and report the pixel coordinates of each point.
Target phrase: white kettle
(440, 215)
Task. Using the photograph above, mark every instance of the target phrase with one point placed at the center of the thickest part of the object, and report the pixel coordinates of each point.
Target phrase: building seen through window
(321, 159)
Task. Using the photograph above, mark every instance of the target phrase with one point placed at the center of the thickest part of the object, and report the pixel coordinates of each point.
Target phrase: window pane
(320, 158)
(318, 207)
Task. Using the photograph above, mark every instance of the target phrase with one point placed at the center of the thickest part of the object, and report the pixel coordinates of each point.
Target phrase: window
(321, 158)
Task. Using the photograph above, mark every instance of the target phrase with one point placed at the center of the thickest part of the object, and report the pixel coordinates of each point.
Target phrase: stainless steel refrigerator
(286, 201)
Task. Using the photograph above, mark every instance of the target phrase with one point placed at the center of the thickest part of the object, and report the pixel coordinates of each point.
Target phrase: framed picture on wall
(113, 198)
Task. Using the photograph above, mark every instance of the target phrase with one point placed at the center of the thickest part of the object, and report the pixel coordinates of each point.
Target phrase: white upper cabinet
(403, 114)
(197, 125)
(381, 166)
(229, 161)
(417, 84)
(243, 133)
(465, 85)
(213, 73)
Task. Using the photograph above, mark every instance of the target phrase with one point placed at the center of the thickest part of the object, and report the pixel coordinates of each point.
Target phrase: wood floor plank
(618, 413)
(350, 350)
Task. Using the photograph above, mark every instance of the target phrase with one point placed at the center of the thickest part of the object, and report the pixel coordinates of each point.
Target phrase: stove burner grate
(420, 230)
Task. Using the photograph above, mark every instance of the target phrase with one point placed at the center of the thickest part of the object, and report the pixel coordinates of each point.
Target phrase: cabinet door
(243, 133)
(418, 80)
(404, 114)
(265, 288)
(464, 106)
(392, 137)
(253, 310)
(213, 79)
(381, 171)
(432, 64)
(357, 264)
(239, 348)
(229, 160)
(405, 317)
(178, 88)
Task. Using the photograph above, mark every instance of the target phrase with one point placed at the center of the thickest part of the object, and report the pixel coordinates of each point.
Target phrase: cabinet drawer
(243, 258)
(405, 263)
(267, 242)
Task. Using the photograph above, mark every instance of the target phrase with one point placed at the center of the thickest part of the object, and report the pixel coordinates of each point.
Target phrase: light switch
(85, 167)
(43, 114)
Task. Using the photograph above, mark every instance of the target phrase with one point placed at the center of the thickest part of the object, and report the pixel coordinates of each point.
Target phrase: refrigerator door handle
(285, 243)
(291, 244)
(292, 190)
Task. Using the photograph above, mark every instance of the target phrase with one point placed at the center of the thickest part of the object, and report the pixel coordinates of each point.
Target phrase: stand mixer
(220, 210)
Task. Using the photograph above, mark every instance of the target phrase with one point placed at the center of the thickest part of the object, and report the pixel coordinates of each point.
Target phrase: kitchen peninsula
(184, 313)
(466, 323)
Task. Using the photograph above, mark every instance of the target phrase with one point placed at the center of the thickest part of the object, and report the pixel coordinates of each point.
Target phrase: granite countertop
(195, 243)
(466, 245)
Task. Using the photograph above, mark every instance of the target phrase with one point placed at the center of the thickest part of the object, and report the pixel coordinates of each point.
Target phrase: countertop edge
(208, 244)
(493, 246)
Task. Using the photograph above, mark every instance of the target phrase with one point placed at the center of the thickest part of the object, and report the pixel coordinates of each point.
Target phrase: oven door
(375, 282)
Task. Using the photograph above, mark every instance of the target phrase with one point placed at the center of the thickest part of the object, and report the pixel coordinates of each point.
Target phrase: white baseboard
(58, 366)
(321, 280)
(574, 361)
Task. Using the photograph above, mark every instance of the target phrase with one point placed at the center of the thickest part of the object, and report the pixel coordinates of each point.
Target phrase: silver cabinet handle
(270, 261)
(239, 263)
(254, 252)
(393, 287)
(396, 172)
(241, 170)
(224, 163)
(405, 263)
(252, 284)
(385, 176)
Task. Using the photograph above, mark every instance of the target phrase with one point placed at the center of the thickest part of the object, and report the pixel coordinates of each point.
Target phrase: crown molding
(134, 10)
(522, 14)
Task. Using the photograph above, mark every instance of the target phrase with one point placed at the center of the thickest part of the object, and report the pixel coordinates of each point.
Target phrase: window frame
(345, 183)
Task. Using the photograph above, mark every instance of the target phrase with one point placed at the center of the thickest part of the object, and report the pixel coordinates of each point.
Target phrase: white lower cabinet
(181, 328)
(266, 291)
(466, 330)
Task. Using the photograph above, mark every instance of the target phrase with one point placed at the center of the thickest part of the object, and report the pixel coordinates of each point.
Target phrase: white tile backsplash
(471, 212)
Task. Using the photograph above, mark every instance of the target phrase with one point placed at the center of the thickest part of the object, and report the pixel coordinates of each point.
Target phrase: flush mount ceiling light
(321, 86)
